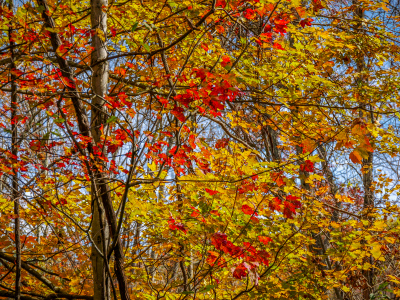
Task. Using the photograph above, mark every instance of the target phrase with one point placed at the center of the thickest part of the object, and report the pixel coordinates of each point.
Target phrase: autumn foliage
(218, 149)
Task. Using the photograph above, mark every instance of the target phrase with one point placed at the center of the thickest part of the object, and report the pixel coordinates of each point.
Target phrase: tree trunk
(95, 172)
(366, 168)
(14, 151)
(100, 232)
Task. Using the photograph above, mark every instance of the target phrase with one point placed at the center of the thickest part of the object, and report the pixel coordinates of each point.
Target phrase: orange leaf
(355, 157)
(205, 47)
(264, 239)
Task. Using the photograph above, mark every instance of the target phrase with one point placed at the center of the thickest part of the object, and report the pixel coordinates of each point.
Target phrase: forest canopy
(199, 149)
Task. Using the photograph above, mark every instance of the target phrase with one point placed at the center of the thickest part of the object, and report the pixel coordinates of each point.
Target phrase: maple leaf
(248, 210)
(289, 209)
(220, 29)
(214, 257)
(221, 143)
(305, 22)
(264, 239)
(211, 192)
(205, 47)
(226, 60)
(278, 178)
(240, 271)
(220, 3)
(178, 113)
(196, 214)
(113, 31)
(317, 5)
(308, 166)
(293, 199)
(278, 46)
(249, 14)
(280, 25)
(215, 212)
(275, 204)
(267, 28)
(173, 225)
(255, 220)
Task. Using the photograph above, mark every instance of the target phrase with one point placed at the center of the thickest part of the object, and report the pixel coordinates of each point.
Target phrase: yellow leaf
(345, 289)
(379, 225)
(376, 251)
(100, 34)
(389, 239)
(366, 266)
(394, 279)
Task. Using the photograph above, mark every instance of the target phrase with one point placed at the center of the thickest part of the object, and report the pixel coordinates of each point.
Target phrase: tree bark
(366, 167)
(100, 289)
(84, 128)
(100, 232)
(14, 151)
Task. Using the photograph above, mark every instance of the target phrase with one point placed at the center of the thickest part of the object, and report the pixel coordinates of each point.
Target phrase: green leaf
(59, 120)
(40, 9)
(207, 288)
(56, 133)
(187, 293)
(45, 137)
(111, 119)
(146, 47)
(135, 26)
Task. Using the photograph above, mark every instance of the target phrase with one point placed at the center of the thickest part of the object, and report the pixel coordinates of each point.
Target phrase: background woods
(217, 149)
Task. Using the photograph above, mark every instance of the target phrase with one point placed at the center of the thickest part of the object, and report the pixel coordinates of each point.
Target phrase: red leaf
(178, 113)
(280, 25)
(317, 5)
(264, 239)
(221, 3)
(278, 178)
(267, 28)
(308, 166)
(254, 219)
(249, 14)
(305, 22)
(211, 192)
(215, 212)
(294, 200)
(205, 47)
(275, 204)
(226, 60)
(263, 256)
(277, 46)
(214, 257)
(289, 210)
(248, 210)
(173, 225)
(196, 213)
(240, 271)
(166, 133)
(113, 31)
(220, 29)
(69, 83)
(221, 143)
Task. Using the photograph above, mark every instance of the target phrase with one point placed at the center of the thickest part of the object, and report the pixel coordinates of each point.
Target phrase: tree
(199, 150)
